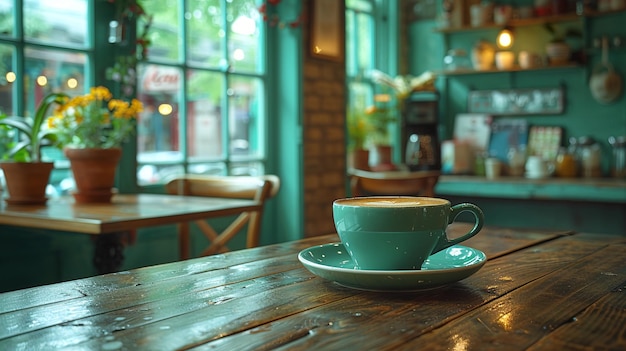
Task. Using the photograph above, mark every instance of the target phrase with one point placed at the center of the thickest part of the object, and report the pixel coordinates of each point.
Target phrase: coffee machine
(420, 132)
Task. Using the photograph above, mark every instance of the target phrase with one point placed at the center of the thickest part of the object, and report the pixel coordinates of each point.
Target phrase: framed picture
(326, 29)
(549, 101)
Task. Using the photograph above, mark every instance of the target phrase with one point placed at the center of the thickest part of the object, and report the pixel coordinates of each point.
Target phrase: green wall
(582, 115)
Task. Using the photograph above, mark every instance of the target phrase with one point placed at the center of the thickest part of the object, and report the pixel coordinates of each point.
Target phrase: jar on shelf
(479, 164)
(573, 150)
(618, 161)
(590, 157)
(483, 56)
(456, 60)
(516, 161)
(565, 165)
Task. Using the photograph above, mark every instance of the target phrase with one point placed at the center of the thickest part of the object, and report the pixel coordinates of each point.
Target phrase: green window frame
(211, 119)
(360, 49)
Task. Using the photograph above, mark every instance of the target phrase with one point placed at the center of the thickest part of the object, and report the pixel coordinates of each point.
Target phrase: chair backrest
(240, 187)
(394, 183)
(258, 188)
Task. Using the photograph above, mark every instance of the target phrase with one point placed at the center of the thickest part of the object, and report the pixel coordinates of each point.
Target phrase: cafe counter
(606, 190)
(593, 205)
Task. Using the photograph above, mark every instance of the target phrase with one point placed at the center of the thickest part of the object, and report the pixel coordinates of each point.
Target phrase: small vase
(27, 181)
(94, 173)
(483, 56)
(381, 159)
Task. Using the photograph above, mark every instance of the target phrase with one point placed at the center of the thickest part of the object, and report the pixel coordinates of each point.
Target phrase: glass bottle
(565, 165)
(456, 60)
(618, 166)
(590, 157)
(516, 159)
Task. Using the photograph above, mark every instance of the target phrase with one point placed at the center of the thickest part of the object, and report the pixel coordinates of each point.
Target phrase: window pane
(247, 169)
(360, 5)
(204, 20)
(157, 173)
(49, 71)
(359, 31)
(158, 125)
(220, 119)
(216, 168)
(204, 116)
(7, 77)
(365, 38)
(361, 95)
(7, 21)
(245, 128)
(57, 22)
(165, 30)
(243, 47)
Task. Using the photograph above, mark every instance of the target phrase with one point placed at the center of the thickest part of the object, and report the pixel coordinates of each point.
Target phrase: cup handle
(444, 242)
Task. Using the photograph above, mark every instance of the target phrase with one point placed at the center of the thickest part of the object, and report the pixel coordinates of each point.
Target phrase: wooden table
(126, 212)
(537, 291)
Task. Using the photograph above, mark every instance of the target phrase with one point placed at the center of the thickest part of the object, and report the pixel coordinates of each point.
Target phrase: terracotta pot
(359, 159)
(94, 173)
(27, 182)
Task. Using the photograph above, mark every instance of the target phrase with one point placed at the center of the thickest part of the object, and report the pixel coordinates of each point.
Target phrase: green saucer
(332, 262)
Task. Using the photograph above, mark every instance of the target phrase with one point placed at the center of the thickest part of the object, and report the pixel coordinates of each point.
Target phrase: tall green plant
(358, 129)
(32, 135)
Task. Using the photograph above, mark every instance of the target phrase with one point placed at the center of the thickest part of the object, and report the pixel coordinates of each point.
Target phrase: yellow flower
(100, 93)
(371, 110)
(94, 120)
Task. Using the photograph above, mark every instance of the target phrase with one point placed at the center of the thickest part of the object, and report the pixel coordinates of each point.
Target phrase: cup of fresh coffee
(398, 232)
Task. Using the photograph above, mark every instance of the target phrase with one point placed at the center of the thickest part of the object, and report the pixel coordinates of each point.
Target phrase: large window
(202, 84)
(360, 46)
(44, 48)
(203, 89)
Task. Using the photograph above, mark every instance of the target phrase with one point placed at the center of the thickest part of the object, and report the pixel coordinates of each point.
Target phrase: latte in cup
(398, 232)
(392, 202)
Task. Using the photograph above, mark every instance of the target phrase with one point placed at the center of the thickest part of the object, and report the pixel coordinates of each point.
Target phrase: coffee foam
(391, 201)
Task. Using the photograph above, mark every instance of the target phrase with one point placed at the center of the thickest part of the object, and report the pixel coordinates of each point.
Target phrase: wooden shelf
(606, 190)
(463, 72)
(534, 21)
(571, 17)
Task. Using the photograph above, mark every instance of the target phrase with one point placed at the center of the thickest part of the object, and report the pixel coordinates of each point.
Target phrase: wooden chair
(420, 183)
(239, 187)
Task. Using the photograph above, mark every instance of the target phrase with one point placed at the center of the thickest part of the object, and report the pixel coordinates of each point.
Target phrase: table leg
(109, 252)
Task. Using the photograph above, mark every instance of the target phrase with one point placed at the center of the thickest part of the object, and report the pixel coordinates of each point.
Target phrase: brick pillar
(324, 140)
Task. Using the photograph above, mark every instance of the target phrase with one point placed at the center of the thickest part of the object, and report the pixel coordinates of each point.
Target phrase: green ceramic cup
(398, 232)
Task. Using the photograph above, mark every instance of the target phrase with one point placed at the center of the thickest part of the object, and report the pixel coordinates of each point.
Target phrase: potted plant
(358, 129)
(558, 50)
(90, 130)
(387, 109)
(380, 118)
(25, 173)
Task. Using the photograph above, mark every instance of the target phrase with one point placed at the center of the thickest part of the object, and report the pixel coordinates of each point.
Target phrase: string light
(505, 39)
(72, 83)
(165, 109)
(10, 76)
(42, 81)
